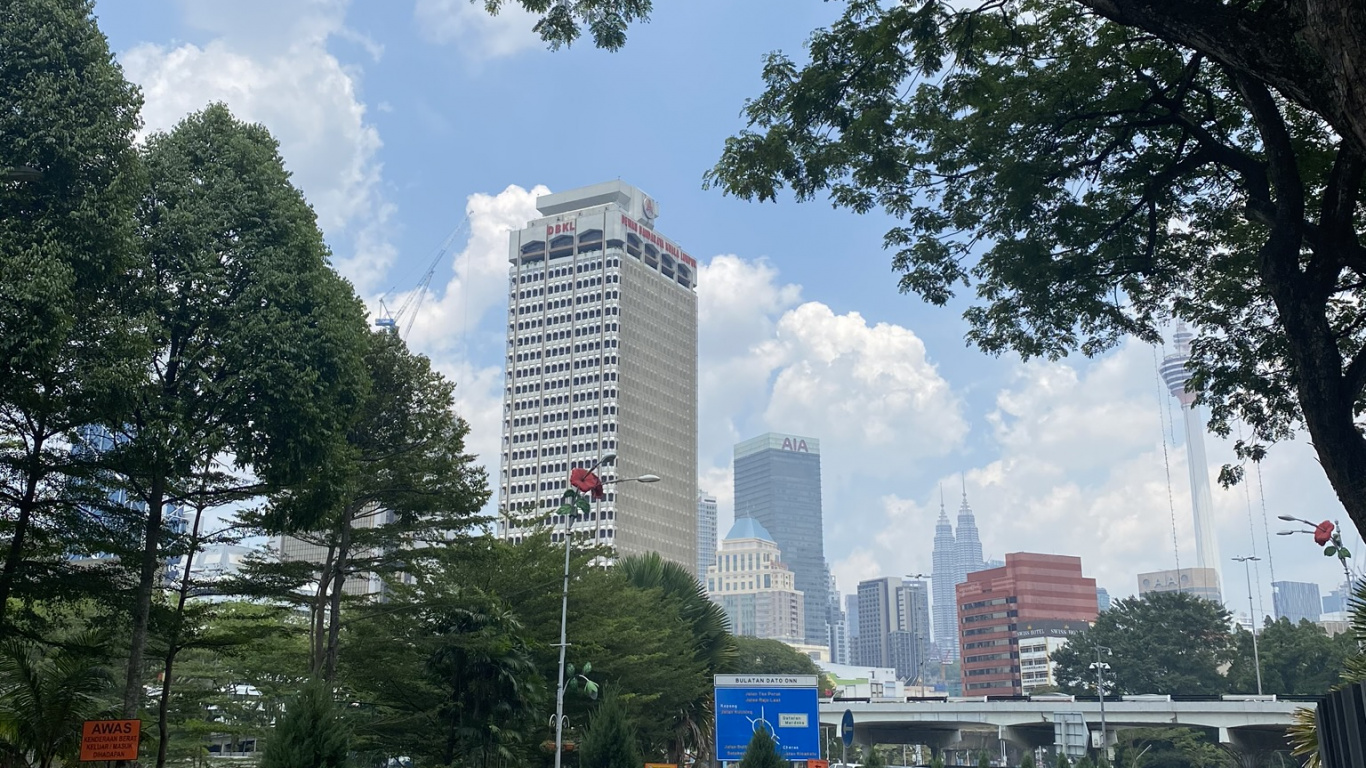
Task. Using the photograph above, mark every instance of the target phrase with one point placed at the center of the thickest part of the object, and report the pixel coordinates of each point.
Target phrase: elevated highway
(1249, 725)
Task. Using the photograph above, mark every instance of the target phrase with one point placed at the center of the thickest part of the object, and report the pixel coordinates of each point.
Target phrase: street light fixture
(575, 504)
(1256, 658)
(1100, 667)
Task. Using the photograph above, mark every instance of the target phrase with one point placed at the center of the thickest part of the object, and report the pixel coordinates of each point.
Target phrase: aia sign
(794, 444)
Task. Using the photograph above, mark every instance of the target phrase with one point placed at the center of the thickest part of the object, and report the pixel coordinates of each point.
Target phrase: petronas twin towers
(955, 556)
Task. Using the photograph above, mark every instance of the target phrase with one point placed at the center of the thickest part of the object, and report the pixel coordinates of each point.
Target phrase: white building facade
(757, 591)
(602, 360)
(706, 533)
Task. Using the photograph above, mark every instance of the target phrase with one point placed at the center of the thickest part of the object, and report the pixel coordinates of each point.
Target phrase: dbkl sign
(795, 444)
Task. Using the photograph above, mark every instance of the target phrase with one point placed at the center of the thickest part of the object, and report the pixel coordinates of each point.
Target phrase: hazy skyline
(399, 118)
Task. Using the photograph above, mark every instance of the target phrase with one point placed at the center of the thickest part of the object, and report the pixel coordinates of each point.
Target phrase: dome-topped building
(752, 584)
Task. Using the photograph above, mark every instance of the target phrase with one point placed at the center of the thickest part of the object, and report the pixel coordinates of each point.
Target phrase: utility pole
(1100, 668)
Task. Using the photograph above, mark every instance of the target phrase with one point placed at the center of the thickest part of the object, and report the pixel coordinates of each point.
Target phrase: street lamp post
(1100, 667)
(1251, 611)
(575, 503)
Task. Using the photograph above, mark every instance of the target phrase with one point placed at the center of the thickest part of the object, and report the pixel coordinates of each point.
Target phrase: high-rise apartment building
(778, 483)
(602, 360)
(1297, 601)
(706, 532)
(1202, 505)
(956, 554)
(757, 591)
(894, 626)
(1030, 596)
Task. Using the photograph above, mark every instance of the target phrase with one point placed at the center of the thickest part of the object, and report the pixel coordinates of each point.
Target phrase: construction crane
(412, 301)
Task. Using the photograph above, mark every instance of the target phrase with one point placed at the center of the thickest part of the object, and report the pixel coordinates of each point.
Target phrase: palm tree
(713, 644)
(46, 693)
(1304, 735)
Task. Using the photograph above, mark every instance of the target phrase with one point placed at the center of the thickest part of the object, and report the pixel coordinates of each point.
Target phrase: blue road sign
(847, 728)
(789, 712)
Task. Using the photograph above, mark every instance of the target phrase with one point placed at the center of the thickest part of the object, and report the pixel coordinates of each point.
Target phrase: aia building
(999, 609)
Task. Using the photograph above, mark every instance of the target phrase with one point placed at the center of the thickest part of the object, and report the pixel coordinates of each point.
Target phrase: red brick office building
(996, 605)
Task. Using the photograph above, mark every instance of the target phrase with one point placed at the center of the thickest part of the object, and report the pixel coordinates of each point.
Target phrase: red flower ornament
(587, 482)
(1323, 533)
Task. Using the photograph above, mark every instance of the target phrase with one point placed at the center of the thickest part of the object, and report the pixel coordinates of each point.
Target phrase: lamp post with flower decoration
(1327, 535)
(584, 484)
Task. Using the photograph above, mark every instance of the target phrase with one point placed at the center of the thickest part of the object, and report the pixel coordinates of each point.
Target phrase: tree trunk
(339, 579)
(173, 644)
(15, 556)
(318, 628)
(142, 609)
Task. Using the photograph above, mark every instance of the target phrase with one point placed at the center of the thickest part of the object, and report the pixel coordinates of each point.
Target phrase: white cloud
(479, 35)
(1077, 467)
(273, 67)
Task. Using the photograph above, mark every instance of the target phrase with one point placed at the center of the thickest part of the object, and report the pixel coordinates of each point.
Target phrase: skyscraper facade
(956, 554)
(778, 483)
(1006, 611)
(1202, 504)
(894, 626)
(753, 586)
(602, 360)
(1297, 601)
(706, 532)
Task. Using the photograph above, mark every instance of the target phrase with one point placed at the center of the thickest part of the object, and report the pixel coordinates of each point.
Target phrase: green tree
(983, 760)
(873, 758)
(1174, 747)
(47, 692)
(610, 741)
(1162, 642)
(406, 483)
(312, 733)
(258, 363)
(761, 656)
(1027, 761)
(1297, 659)
(1085, 762)
(67, 344)
(762, 752)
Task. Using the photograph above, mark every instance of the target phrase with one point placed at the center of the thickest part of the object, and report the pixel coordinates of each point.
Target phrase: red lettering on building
(559, 229)
(660, 242)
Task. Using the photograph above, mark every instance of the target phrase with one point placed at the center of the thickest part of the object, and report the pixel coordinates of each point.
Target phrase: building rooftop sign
(778, 442)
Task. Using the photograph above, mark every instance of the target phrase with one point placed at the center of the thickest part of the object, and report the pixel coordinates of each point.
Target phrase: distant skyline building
(754, 587)
(1102, 599)
(838, 627)
(894, 625)
(1297, 601)
(1175, 374)
(851, 621)
(706, 532)
(956, 554)
(1201, 582)
(1009, 612)
(778, 483)
(601, 359)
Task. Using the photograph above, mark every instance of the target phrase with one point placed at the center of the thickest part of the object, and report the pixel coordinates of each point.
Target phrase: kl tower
(1206, 576)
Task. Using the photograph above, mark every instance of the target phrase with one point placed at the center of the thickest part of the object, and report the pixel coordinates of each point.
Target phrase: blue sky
(401, 119)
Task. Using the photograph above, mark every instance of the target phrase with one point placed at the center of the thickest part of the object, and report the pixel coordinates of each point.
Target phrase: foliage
(1297, 659)
(762, 656)
(1303, 734)
(936, 762)
(873, 758)
(1083, 762)
(1162, 642)
(312, 733)
(1094, 169)
(67, 342)
(259, 342)
(46, 693)
(610, 741)
(1175, 747)
(561, 23)
(762, 752)
(404, 485)
(1027, 761)
(983, 760)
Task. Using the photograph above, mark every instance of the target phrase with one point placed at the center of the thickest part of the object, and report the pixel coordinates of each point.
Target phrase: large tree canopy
(1096, 168)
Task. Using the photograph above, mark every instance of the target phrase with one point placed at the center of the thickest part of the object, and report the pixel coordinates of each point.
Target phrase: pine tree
(1063, 762)
(762, 752)
(983, 760)
(1028, 761)
(311, 734)
(937, 762)
(611, 741)
(874, 758)
(1085, 762)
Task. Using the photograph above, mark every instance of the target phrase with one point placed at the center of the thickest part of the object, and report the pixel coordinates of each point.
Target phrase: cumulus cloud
(478, 34)
(1083, 462)
(277, 71)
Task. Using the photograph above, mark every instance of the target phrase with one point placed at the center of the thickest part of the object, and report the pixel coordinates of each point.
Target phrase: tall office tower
(945, 575)
(753, 585)
(894, 625)
(778, 483)
(1202, 504)
(706, 532)
(1102, 599)
(851, 621)
(969, 546)
(602, 360)
(838, 626)
(1296, 600)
